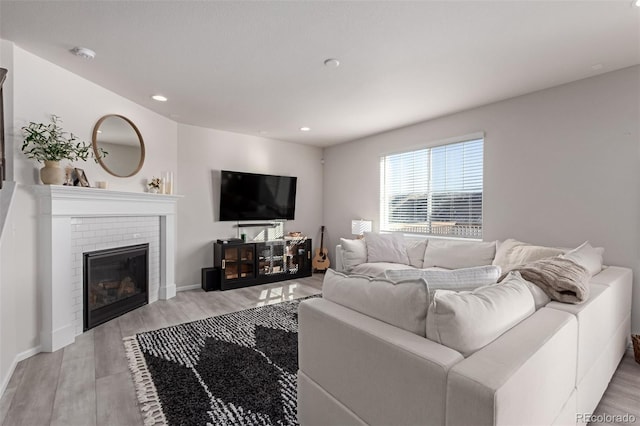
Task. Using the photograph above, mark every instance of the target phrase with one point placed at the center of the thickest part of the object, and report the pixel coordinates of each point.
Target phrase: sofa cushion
(455, 279)
(540, 298)
(378, 269)
(586, 256)
(468, 321)
(415, 252)
(386, 248)
(512, 253)
(403, 304)
(354, 252)
(453, 254)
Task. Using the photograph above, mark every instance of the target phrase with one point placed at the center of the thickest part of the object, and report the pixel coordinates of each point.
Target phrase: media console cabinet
(246, 264)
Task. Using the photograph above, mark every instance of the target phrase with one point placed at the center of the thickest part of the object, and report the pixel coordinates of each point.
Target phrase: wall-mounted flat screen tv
(250, 196)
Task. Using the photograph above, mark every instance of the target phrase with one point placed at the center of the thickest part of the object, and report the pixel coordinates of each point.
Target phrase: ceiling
(256, 67)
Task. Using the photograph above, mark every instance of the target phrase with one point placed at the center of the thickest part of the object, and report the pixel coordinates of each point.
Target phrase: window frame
(383, 213)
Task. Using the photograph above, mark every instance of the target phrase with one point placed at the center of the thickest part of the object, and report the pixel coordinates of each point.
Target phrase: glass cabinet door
(238, 262)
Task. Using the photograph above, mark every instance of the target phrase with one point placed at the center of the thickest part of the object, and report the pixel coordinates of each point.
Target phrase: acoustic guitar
(321, 261)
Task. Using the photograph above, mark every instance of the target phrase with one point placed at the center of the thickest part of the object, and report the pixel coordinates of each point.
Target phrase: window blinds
(436, 191)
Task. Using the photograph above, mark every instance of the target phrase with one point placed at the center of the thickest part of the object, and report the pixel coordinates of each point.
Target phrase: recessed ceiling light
(637, 3)
(334, 63)
(305, 129)
(83, 52)
(159, 98)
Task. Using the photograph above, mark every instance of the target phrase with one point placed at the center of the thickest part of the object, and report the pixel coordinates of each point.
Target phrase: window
(435, 191)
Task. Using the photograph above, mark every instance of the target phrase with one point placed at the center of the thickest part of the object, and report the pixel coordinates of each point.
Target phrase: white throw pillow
(540, 298)
(512, 253)
(354, 252)
(403, 304)
(452, 254)
(590, 258)
(386, 248)
(415, 252)
(468, 321)
(455, 280)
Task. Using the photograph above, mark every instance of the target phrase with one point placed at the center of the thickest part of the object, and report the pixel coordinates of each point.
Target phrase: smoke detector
(83, 52)
(333, 62)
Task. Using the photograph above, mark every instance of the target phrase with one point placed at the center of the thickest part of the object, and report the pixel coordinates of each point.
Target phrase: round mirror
(122, 141)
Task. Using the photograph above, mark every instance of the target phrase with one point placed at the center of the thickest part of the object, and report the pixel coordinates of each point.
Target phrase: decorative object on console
(237, 368)
(122, 139)
(154, 185)
(360, 226)
(48, 143)
(102, 184)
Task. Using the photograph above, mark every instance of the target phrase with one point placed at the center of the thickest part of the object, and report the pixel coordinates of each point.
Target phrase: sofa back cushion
(386, 248)
(452, 254)
(354, 253)
(468, 321)
(415, 252)
(512, 253)
(455, 280)
(402, 304)
(586, 256)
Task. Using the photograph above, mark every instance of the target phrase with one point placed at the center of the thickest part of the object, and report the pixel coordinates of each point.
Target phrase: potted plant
(48, 143)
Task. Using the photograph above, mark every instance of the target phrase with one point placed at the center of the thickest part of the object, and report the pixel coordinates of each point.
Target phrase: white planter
(52, 173)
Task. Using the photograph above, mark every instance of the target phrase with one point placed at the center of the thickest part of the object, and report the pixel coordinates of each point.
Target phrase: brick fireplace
(76, 220)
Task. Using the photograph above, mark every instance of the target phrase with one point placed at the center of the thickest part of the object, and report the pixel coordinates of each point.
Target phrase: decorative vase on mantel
(52, 173)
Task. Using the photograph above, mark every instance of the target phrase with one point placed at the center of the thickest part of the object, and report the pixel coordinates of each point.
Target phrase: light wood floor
(88, 383)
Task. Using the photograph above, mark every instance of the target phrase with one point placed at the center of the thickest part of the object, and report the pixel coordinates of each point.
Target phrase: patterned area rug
(234, 369)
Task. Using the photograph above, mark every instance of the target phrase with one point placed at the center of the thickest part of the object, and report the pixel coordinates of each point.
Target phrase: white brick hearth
(100, 233)
(76, 220)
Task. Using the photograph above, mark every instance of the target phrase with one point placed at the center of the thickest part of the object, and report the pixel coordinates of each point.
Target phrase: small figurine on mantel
(154, 185)
(68, 175)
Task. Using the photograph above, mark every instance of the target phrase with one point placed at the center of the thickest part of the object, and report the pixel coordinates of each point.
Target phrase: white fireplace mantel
(57, 205)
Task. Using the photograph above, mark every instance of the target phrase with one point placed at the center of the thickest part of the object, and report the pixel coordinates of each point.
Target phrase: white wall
(561, 166)
(39, 89)
(42, 88)
(202, 154)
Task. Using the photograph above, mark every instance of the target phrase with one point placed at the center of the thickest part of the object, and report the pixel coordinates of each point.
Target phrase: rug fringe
(145, 389)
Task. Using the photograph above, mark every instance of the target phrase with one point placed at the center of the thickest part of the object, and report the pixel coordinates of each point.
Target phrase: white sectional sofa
(552, 368)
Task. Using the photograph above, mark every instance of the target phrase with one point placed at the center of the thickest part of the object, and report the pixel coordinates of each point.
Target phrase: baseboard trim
(19, 357)
(188, 287)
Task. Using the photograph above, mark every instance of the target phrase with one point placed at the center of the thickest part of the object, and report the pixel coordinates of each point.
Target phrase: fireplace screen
(115, 282)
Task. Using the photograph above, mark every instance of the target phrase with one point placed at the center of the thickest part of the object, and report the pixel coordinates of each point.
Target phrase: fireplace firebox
(115, 282)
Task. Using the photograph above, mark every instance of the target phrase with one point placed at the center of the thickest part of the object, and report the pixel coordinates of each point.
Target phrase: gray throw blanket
(561, 279)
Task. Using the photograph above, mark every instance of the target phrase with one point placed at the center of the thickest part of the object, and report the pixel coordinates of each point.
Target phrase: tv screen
(250, 196)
